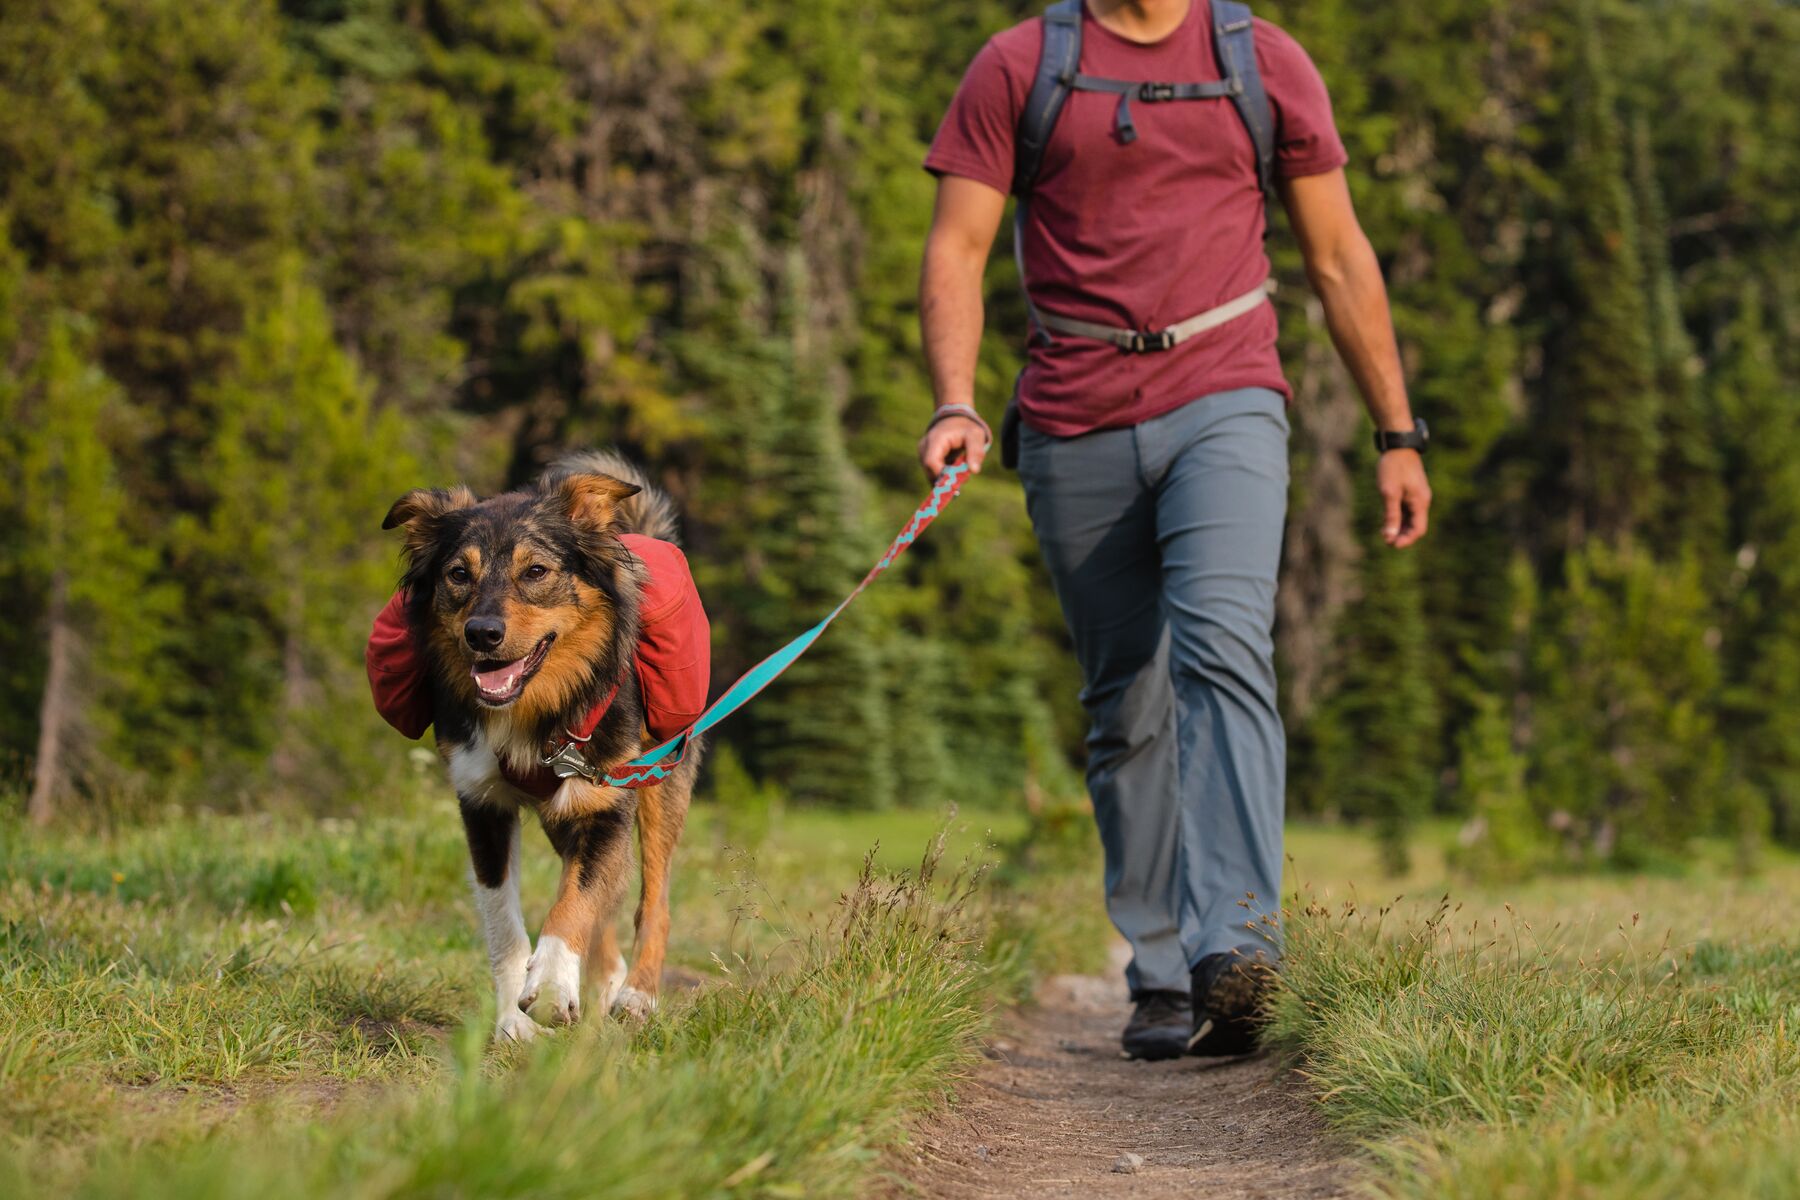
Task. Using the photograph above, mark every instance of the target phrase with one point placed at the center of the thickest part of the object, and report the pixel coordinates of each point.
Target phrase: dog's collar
(565, 757)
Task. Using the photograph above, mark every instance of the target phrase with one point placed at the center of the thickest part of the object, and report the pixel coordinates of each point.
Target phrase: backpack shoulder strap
(1234, 42)
(1057, 67)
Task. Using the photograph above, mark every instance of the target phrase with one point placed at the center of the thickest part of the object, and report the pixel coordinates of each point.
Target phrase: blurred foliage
(268, 264)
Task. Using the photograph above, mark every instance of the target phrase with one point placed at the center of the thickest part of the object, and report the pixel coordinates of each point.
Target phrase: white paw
(634, 1004)
(612, 983)
(514, 1026)
(553, 972)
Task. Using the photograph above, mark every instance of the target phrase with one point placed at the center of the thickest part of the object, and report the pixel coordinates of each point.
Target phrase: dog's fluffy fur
(546, 563)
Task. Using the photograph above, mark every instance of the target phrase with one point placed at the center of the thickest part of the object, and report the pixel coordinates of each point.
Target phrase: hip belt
(1148, 341)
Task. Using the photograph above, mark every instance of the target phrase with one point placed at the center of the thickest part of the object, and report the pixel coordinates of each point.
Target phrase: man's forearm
(1356, 311)
(950, 317)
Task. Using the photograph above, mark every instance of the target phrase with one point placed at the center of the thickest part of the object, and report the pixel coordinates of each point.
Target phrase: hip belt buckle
(1145, 341)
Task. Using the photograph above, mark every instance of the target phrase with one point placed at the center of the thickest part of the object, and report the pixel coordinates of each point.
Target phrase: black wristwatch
(1417, 438)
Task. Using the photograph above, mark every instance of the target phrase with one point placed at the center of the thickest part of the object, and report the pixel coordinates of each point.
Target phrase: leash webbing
(655, 765)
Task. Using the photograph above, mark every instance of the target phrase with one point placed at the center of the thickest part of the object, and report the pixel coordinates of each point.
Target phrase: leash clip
(568, 761)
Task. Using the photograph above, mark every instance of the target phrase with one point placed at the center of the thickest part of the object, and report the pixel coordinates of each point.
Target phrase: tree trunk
(48, 772)
(1319, 552)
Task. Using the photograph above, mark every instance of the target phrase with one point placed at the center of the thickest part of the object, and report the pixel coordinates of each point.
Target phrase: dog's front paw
(553, 971)
(632, 1003)
(514, 1026)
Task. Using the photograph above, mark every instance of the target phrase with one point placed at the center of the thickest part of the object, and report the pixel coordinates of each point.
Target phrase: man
(1154, 442)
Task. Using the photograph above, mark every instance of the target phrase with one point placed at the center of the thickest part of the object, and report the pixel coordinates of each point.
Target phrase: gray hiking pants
(1163, 542)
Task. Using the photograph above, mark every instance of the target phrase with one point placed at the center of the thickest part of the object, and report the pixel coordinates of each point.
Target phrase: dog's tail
(650, 512)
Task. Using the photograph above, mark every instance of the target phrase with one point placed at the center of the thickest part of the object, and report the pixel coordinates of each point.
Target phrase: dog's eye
(458, 574)
(536, 571)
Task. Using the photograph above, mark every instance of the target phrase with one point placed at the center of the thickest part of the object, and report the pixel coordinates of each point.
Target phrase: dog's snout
(484, 633)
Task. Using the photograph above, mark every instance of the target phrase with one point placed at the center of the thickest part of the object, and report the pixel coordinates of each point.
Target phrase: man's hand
(1406, 497)
(942, 442)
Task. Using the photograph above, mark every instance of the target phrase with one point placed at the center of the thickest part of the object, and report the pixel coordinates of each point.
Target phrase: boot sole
(1155, 1049)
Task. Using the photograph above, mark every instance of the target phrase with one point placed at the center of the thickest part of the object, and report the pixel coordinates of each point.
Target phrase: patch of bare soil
(1055, 1110)
(209, 1105)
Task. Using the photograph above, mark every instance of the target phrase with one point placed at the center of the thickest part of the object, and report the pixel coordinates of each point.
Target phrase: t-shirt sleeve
(975, 139)
(1306, 136)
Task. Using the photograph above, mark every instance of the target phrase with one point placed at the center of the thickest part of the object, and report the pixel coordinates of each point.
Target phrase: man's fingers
(1416, 524)
(1390, 521)
(974, 451)
(1418, 517)
(931, 454)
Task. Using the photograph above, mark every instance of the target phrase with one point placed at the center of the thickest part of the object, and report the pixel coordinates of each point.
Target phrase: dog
(525, 610)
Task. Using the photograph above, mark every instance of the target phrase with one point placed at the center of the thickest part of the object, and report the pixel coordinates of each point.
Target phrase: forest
(268, 265)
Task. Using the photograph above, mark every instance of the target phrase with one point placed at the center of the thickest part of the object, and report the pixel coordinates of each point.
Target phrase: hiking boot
(1230, 992)
(1159, 1025)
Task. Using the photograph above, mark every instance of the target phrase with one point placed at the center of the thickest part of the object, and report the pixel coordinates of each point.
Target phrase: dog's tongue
(500, 680)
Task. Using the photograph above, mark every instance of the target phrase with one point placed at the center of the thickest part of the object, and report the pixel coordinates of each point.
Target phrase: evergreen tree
(1605, 398)
(1624, 750)
(298, 464)
(413, 205)
(1763, 695)
(1504, 838)
(973, 592)
(58, 167)
(917, 671)
(821, 732)
(86, 606)
(1382, 724)
(1690, 478)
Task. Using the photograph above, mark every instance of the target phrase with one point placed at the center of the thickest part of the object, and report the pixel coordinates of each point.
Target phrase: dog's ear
(593, 501)
(419, 511)
(422, 505)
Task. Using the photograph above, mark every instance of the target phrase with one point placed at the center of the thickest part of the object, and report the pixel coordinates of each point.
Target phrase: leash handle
(657, 764)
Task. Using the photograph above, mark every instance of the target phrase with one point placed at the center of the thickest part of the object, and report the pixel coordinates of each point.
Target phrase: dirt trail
(1055, 1106)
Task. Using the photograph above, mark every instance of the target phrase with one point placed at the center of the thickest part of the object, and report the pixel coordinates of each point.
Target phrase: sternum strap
(1150, 93)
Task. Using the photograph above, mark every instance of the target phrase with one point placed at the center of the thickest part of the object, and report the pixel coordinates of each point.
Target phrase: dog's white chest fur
(475, 773)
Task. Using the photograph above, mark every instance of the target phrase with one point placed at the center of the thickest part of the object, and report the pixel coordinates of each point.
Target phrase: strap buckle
(1145, 341)
(1151, 93)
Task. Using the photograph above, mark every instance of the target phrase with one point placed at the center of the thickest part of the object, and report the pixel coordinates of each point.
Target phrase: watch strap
(1416, 438)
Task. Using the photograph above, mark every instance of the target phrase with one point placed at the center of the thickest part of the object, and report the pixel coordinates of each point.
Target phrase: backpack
(1058, 74)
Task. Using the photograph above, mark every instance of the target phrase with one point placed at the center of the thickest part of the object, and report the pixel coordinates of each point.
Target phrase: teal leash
(656, 765)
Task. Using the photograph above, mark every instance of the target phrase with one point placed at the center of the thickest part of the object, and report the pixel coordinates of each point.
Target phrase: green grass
(272, 1005)
(207, 1005)
(1569, 1037)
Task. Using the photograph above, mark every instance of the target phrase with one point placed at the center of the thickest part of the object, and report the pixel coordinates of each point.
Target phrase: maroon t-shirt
(1141, 234)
